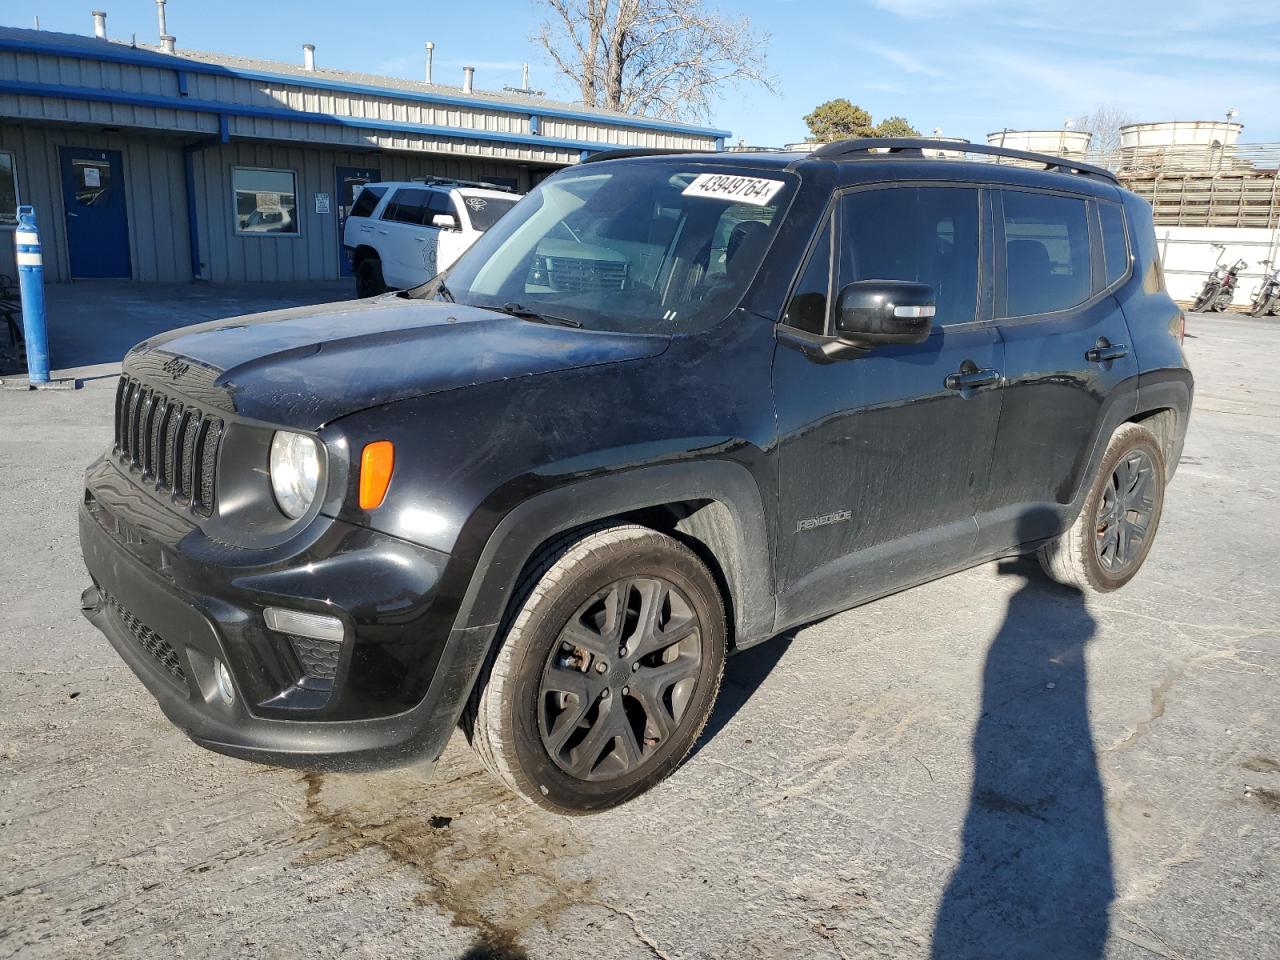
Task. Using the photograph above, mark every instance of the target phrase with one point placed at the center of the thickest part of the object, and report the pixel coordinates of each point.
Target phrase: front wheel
(1112, 536)
(1222, 302)
(607, 673)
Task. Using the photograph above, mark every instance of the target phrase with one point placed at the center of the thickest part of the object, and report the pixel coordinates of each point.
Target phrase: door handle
(1104, 351)
(420, 239)
(970, 378)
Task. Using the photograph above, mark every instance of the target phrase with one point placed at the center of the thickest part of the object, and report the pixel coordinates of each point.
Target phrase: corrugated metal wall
(312, 254)
(487, 116)
(154, 195)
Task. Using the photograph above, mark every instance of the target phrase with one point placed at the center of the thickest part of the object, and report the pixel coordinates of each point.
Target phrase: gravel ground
(984, 766)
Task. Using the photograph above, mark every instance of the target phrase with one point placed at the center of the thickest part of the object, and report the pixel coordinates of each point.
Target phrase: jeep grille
(170, 443)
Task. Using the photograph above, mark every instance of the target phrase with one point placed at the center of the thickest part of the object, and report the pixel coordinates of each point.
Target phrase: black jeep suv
(669, 406)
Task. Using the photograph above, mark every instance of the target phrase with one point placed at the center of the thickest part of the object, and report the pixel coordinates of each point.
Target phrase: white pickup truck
(402, 234)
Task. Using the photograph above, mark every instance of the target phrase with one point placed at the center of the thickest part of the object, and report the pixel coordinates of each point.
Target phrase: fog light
(225, 689)
(300, 623)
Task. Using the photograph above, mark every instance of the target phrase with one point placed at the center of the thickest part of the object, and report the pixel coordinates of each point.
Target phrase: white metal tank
(1179, 133)
(1060, 143)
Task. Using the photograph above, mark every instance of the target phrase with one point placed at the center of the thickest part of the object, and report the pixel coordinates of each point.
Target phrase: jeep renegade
(667, 407)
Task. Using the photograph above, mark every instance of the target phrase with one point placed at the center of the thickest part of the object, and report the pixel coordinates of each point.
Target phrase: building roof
(75, 45)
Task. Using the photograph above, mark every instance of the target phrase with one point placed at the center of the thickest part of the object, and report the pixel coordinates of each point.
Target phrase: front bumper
(392, 694)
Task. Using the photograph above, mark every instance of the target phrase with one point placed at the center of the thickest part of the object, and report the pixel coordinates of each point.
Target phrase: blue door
(97, 223)
(348, 180)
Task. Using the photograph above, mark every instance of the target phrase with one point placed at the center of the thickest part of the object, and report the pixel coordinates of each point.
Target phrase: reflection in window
(8, 189)
(807, 309)
(1114, 246)
(924, 234)
(266, 201)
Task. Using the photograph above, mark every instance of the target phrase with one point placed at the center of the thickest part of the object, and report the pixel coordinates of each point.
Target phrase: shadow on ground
(1035, 877)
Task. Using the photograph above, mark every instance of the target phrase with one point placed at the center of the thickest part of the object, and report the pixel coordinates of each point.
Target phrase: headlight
(295, 471)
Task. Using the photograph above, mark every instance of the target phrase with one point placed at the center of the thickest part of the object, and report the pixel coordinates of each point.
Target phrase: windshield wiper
(521, 312)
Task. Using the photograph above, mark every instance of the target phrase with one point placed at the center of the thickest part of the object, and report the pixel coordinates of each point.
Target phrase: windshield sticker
(477, 203)
(753, 190)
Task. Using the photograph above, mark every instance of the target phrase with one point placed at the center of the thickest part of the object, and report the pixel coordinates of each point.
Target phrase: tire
(536, 736)
(1221, 303)
(1079, 557)
(369, 282)
(1207, 296)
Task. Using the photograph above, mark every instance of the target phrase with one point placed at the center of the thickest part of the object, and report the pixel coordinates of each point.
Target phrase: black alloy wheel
(1124, 512)
(619, 679)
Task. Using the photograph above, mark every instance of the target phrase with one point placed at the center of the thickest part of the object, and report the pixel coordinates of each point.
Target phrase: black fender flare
(1169, 389)
(747, 563)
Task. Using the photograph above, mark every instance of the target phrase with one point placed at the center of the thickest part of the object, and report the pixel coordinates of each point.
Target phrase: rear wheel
(607, 673)
(369, 282)
(1207, 296)
(1111, 538)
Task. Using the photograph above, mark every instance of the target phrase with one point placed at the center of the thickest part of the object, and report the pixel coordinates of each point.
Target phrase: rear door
(401, 241)
(884, 457)
(348, 184)
(1067, 356)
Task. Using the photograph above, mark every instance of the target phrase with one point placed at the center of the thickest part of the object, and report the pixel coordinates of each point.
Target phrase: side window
(926, 234)
(367, 201)
(1047, 259)
(807, 308)
(406, 206)
(1115, 246)
(8, 189)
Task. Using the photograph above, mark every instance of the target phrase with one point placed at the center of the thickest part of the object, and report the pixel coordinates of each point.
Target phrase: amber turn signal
(376, 463)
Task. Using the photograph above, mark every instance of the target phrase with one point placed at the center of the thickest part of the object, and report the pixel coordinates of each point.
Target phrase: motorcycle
(1266, 297)
(1220, 287)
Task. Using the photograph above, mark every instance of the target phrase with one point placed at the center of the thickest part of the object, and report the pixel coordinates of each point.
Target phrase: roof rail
(624, 152)
(455, 182)
(862, 147)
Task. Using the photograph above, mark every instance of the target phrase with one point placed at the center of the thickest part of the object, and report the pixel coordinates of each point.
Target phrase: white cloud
(906, 61)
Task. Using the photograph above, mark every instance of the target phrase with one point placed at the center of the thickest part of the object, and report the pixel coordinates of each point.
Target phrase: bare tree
(662, 58)
(1104, 122)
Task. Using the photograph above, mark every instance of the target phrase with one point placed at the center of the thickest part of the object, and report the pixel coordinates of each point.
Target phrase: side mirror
(870, 313)
(446, 220)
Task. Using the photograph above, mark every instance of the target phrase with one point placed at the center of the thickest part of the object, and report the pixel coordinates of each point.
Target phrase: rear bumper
(172, 636)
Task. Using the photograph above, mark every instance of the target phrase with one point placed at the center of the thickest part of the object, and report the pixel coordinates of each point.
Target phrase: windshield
(647, 246)
(484, 211)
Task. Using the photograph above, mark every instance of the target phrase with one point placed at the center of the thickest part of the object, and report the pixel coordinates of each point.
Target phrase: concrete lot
(92, 324)
(988, 766)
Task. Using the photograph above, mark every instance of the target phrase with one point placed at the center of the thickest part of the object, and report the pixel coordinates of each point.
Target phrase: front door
(347, 180)
(97, 222)
(883, 457)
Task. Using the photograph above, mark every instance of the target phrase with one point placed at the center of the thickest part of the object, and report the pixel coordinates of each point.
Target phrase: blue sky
(966, 66)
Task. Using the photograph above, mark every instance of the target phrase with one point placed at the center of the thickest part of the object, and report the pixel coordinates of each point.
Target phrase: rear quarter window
(1115, 243)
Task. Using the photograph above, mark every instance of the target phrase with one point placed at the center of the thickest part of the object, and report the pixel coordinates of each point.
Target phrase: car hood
(306, 366)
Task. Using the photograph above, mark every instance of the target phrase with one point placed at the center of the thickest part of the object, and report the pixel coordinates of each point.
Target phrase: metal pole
(31, 286)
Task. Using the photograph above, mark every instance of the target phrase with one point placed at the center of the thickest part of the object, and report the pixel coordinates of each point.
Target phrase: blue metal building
(159, 164)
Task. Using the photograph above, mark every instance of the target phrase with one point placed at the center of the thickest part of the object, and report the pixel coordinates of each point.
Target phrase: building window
(8, 190)
(266, 201)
